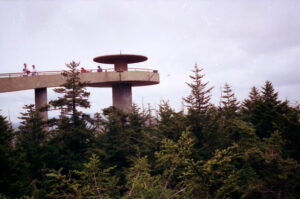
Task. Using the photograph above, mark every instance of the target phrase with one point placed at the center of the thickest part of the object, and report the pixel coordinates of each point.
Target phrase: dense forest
(247, 149)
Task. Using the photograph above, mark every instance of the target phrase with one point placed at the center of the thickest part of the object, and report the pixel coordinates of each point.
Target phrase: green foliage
(267, 114)
(173, 159)
(30, 153)
(6, 135)
(72, 133)
(199, 98)
(140, 183)
(262, 110)
(74, 94)
(229, 104)
(255, 169)
(227, 151)
(170, 124)
(199, 111)
(90, 182)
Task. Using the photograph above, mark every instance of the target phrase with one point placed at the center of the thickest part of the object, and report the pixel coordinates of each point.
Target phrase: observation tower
(121, 79)
(127, 78)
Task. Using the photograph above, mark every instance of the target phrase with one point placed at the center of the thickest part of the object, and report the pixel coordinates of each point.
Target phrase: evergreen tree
(93, 181)
(268, 111)
(72, 135)
(31, 148)
(225, 124)
(74, 94)
(199, 98)
(140, 182)
(125, 136)
(173, 159)
(229, 104)
(198, 109)
(114, 143)
(170, 124)
(252, 168)
(268, 114)
(6, 135)
(289, 126)
(250, 106)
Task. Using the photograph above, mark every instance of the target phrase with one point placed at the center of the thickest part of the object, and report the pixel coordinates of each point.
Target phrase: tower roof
(124, 58)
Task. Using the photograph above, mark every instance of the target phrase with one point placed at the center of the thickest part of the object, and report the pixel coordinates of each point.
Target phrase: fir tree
(198, 108)
(6, 135)
(268, 114)
(92, 181)
(173, 158)
(229, 104)
(262, 110)
(170, 124)
(225, 121)
(72, 135)
(31, 149)
(74, 94)
(249, 106)
(199, 98)
(140, 182)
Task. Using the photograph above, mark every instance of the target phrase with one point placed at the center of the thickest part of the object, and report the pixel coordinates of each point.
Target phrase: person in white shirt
(34, 73)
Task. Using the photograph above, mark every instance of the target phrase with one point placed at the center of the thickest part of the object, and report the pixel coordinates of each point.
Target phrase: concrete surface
(40, 96)
(94, 79)
(122, 96)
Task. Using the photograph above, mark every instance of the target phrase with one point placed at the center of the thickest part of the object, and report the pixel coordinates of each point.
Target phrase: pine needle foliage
(229, 103)
(199, 98)
(74, 94)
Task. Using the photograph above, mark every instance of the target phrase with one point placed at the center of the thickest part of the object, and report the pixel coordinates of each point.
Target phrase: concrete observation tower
(122, 89)
(121, 79)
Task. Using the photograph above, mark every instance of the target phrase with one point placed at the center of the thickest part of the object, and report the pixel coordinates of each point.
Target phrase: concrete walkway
(94, 79)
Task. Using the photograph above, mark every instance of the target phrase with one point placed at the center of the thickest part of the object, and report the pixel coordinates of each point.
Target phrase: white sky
(241, 42)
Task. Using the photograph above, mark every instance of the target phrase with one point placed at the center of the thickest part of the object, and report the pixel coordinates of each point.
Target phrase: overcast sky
(243, 43)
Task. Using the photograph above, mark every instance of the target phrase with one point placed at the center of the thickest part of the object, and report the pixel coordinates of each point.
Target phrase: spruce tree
(92, 181)
(225, 124)
(72, 136)
(198, 108)
(268, 111)
(173, 159)
(124, 137)
(6, 135)
(267, 114)
(229, 103)
(262, 111)
(74, 94)
(249, 106)
(199, 98)
(140, 183)
(31, 150)
(170, 124)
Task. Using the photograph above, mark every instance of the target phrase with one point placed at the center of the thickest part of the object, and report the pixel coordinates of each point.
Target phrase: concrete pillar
(41, 100)
(122, 96)
(121, 66)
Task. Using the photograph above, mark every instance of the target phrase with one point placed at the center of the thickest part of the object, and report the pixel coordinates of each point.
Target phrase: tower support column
(122, 96)
(41, 100)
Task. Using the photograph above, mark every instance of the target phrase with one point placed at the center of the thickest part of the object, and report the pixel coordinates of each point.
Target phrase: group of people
(83, 70)
(27, 72)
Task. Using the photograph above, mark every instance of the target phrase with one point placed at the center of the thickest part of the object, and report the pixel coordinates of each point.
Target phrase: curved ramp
(94, 79)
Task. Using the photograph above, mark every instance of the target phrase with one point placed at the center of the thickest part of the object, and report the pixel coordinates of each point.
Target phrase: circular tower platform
(124, 58)
(122, 80)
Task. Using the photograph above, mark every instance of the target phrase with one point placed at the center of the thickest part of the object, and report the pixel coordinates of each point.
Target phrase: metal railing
(21, 74)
